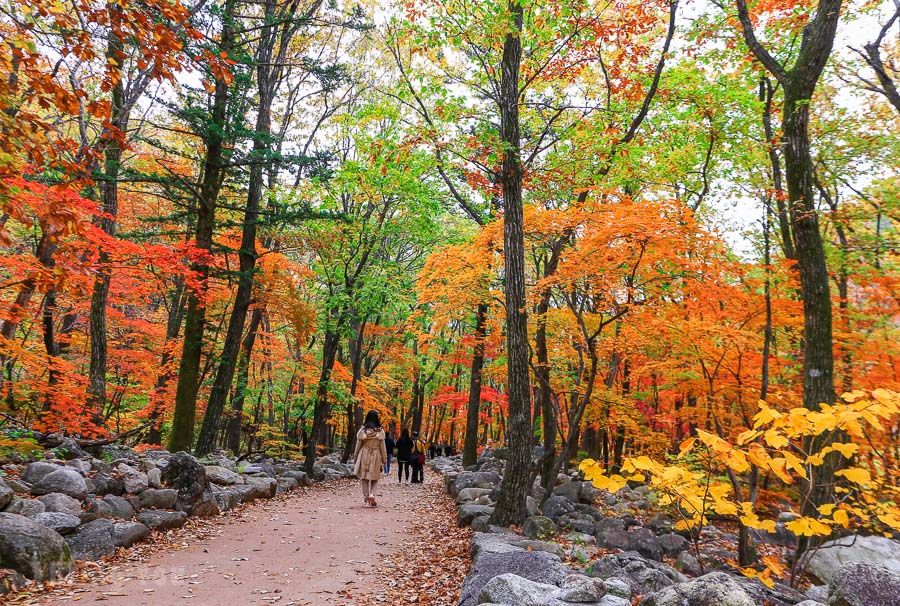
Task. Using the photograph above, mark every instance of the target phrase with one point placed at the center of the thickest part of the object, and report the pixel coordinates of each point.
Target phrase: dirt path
(320, 547)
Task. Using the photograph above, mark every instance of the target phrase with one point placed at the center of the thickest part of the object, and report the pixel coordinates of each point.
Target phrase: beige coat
(370, 455)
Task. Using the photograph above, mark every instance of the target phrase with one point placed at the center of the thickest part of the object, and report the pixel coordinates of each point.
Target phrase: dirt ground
(322, 546)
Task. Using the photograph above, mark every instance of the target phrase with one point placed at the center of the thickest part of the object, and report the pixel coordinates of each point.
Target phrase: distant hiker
(390, 447)
(370, 455)
(418, 459)
(404, 454)
(432, 451)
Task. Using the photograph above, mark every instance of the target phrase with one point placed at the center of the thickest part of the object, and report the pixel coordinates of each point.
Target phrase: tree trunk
(510, 507)
(233, 429)
(319, 432)
(195, 323)
(470, 441)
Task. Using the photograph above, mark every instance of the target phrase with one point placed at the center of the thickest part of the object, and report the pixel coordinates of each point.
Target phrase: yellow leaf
(856, 475)
(845, 448)
(841, 517)
(808, 527)
(687, 445)
(775, 439)
(891, 519)
(826, 509)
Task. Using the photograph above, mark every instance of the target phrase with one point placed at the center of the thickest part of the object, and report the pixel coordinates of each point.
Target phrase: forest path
(321, 546)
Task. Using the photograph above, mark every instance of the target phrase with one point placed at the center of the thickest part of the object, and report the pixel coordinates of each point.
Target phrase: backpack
(418, 452)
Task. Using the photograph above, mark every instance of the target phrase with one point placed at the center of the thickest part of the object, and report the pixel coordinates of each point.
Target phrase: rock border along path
(317, 546)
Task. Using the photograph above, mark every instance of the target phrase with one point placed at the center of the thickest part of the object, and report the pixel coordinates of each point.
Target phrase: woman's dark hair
(404, 433)
(372, 420)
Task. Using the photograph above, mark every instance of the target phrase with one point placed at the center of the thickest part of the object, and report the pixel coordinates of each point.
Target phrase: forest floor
(315, 546)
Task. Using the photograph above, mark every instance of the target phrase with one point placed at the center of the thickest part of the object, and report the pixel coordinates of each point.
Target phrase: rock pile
(531, 568)
(56, 511)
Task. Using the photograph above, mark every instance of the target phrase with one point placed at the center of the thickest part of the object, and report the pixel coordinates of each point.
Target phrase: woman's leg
(364, 484)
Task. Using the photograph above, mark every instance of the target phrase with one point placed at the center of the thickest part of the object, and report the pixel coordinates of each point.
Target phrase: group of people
(375, 448)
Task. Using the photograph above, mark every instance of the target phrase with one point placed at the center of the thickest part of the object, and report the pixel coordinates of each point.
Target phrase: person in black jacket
(404, 455)
(389, 445)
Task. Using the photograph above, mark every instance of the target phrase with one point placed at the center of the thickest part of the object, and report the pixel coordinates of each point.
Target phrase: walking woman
(404, 455)
(370, 456)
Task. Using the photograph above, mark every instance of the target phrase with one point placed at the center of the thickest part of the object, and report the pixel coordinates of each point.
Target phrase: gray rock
(474, 479)
(555, 506)
(613, 539)
(642, 575)
(864, 584)
(569, 491)
(96, 509)
(538, 527)
(880, 551)
(262, 487)
(467, 495)
(536, 566)
(158, 498)
(186, 475)
(300, 476)
(6, 494)
(82, 466)
(688, 564)
(32, 549)
(810, 603)
(25, 507)
(532, 506)
(512, 589)
(37, 470)
(64, 480)
(63, 523)
(818, 593)
(105, 484)
(126, 534)
(617, 587)
(92, 541)
(135, 481)
(154, 478)
(61, 503)
(672, 544)
(713, 589)
(580, 589)
(612, 600)
(643, 541)
(223, 477)
(162, 520)
(18, 486)
(481, 524)
(469, 511)
(227, 499)
(119, 507)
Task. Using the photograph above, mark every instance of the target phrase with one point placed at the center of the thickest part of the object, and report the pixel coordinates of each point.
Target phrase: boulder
(569, 491)
(555, 506)
(643, 541)
(69, 449)
(186, 475)
(105, 484)
(37, 470)
(92, 541)
(864, 584)
(221, 476)
(18, 486)
(300, 476)
(261, 487)
(617, 587)
(688, 564)
(672, 544)
(82, 466)
(536, 566)
(161, 498)
(881, 551)
(576, 521)
(60, 503)
(713, 589)
(154, 478)
(64, 480)
(467, 495)
(227, 498)
(32, 549)
(25, 507)
(474, 479)
(126, 534)
(642, 575)
(162, 520)
(119, 507)
(6, 494)
(469, 511)
(538, 527)
(63, 523)
(580, 589)
(134, 480)
(512, 589)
